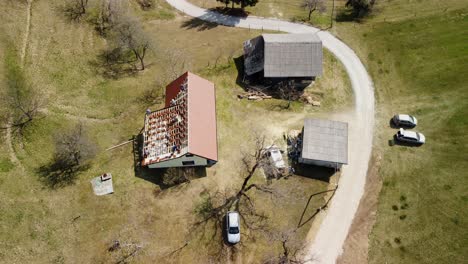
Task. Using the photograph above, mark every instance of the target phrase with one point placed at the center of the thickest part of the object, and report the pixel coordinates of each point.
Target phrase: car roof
(233, 218)
(410, 134)
(405, 117)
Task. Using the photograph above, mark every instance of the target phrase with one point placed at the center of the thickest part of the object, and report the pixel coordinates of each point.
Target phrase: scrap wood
(121, 144)
(254, 95)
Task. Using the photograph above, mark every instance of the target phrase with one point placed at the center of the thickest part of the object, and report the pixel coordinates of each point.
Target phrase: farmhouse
(324, 143)
(284, 56)
(184, 132)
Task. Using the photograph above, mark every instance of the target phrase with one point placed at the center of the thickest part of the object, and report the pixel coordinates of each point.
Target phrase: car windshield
(233, 230)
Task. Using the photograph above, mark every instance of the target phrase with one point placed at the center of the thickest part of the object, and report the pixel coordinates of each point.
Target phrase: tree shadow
(114, 64)
(156, 176)
(350, 15)
(237, 12)
(313, 172)
(199, 24)
(58, 173)
(211, 19)
(302, 222)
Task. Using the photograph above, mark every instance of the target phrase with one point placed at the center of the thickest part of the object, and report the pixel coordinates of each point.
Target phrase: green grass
(6, 165)
(417, 64)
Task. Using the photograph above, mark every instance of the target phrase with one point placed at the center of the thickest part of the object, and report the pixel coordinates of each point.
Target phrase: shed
(284, 55)
(325, 143)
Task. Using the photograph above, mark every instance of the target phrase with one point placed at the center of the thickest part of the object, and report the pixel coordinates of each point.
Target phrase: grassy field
(43, 225)
(417, 60)
(417, 55)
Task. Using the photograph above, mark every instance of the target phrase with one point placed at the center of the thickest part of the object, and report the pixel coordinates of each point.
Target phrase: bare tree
(73, 152)
(23, 101)
(175, 63)
(314, 5)
(213, 208)
(75, 9)
(122, 252)
(128, 35)
(291, 248)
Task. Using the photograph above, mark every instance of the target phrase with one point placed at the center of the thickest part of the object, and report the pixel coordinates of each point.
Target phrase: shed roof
(325, 140)
(292, 55)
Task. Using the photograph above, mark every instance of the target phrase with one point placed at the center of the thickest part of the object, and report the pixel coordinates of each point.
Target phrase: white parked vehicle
(276, 157)
(410, 137)
(233, 227)
(405, 120)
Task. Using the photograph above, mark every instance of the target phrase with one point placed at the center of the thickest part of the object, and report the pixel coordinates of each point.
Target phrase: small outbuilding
(284, 56)
(324, 143)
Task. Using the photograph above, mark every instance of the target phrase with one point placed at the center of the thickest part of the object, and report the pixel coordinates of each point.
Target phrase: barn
(324, 143)
(284, 56)
(183, 134)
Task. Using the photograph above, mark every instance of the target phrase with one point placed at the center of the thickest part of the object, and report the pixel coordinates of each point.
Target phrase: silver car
(410, 137)
(405, 120)
(233, 227)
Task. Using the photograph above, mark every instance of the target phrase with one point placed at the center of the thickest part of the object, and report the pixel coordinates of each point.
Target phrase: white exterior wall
(199, 161)
(321, 163)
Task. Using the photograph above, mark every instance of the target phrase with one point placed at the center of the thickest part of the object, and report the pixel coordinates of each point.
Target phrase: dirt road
(328, 243)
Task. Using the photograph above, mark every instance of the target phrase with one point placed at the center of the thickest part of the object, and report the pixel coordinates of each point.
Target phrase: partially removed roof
(201, 114)
(325, 140)
(186, 125)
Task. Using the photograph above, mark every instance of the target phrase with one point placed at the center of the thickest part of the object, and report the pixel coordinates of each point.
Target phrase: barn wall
(199, 161)
(321, 163)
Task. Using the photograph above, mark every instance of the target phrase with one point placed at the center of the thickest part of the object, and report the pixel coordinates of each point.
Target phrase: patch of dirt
(9, 144)
(356, 246)
(26, 34)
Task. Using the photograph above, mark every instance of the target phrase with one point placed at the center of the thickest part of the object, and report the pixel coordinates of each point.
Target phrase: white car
(410, 137)
(405, 120)
(276, 157)
(233, 227)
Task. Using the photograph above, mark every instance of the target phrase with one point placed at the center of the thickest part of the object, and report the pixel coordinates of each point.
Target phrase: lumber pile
(253, 95)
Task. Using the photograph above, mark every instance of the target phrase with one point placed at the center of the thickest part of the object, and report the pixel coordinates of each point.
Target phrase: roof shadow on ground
(314, 172)
(211, 19)
(156, 176)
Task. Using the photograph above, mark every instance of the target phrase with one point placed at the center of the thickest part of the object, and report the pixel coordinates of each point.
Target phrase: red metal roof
(201, 103)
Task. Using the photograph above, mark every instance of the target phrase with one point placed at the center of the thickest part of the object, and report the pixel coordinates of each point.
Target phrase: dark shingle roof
(292, 55)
